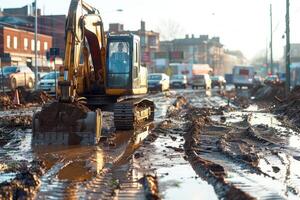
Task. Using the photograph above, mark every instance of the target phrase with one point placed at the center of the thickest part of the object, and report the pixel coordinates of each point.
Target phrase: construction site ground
(200, 146)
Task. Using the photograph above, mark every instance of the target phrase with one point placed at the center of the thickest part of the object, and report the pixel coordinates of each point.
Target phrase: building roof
(22, 30)
(189, 41)
(16, 21)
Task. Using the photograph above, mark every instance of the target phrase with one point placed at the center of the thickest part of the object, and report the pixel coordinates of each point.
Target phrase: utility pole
(287, 49)
(2, 73)
(35, 45)
(271, 41)
(267, 54)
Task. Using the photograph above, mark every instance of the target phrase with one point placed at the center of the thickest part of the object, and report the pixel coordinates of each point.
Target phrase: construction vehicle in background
(98, 71)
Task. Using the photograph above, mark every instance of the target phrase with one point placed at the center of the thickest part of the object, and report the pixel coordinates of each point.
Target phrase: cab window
(118, 65)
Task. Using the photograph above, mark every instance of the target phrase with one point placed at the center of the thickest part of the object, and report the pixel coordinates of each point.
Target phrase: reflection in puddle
(294, 142)
(83, 161)
(17, 149)
(7, 176)
(183, 183)
(70, 168)
(137, 136)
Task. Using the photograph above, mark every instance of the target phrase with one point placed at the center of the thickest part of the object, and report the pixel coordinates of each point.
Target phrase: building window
(15, 42)
(32, 45)
(8, 41)
(38, 45)
(45, 46)
(152, 41)
(25, 43)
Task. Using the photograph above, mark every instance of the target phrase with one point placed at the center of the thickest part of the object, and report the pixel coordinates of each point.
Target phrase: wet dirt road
(116, 168)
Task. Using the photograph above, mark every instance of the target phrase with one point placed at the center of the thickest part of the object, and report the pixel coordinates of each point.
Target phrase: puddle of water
(294, 142)
(83, 161)
(19, 148)
(18, 112)
(7, 176)
(181, 183)
(176, 178)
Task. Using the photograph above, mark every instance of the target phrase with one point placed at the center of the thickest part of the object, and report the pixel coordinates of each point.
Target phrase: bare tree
(169, 29)
(259, 58)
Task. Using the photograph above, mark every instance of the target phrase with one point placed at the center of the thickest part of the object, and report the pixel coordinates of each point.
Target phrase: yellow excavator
(100, 71)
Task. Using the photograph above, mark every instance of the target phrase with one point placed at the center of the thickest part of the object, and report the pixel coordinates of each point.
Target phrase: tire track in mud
(279, 157)
(242, 171)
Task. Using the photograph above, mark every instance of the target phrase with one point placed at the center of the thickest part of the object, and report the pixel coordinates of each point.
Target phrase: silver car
(47, 82)
(17, 76)
(178, 81)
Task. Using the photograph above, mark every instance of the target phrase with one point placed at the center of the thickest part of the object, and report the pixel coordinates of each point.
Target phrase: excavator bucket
(66, 124)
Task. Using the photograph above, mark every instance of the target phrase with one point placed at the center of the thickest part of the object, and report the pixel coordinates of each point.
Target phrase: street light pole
(287, 49)
(2, 73)
(271, 42)
(35, 45)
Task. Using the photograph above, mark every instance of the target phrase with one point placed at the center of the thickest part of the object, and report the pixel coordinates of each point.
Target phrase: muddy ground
(199, 147)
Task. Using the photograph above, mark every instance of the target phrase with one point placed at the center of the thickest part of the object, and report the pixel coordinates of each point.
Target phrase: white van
(158, 81)
(202, 80)
(243, 76)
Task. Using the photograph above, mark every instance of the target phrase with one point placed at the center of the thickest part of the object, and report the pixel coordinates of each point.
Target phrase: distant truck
(243, 76)
(190, 70)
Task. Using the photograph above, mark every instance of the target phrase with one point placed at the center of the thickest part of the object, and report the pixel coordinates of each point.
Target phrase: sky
(241, 24)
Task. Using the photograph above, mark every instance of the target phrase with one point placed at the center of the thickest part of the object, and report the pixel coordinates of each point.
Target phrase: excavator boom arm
(84, 39)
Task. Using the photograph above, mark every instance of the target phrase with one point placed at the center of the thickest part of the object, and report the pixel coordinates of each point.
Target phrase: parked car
(218, 81)
(201, 81)
(47, 82)
(41, 74)
(178, 81)
(243, 76)
(158, 81)
(272, 79)
(17, 76)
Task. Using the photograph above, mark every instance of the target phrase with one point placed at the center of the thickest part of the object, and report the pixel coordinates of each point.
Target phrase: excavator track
(131, 112)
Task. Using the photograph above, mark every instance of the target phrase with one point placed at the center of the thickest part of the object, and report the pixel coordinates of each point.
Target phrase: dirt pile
(34, 97)
(177, 106)
(25, 183)
(241, 101)
(5, 102)
(289, 107)
(61, 114)
(268, 92)
(27, 98)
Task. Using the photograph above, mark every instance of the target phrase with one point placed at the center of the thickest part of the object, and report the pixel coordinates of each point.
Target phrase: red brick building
(17, 47)
(54, 25)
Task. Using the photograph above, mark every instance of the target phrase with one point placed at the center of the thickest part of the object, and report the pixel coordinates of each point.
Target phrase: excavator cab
(124, 73)
(127, 78)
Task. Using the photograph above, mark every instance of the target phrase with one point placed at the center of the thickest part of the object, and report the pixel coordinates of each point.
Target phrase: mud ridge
(25, 184)
(212, 172)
